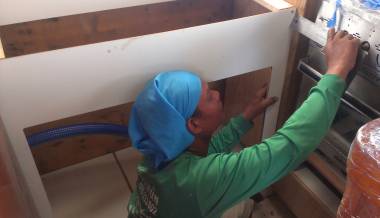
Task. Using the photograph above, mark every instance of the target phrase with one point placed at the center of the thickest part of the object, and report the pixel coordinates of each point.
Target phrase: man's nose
(216, 94)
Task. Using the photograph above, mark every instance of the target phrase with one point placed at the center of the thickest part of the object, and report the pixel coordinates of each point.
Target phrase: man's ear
(193, 125)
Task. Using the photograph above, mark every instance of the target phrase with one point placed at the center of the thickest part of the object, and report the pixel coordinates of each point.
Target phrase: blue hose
(74, 130)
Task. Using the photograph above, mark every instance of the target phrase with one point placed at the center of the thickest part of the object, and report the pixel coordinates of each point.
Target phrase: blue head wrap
(157, 125)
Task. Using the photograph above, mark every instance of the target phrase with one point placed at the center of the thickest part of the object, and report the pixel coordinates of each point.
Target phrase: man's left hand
(258, 104)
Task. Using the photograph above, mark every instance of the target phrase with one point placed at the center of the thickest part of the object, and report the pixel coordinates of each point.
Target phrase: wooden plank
(63, 32)
(61, 153)
(243, 8)
(271, 207)
(305, 200)
(47, 86)
(239, 92)
(331, 175)
(299, 44)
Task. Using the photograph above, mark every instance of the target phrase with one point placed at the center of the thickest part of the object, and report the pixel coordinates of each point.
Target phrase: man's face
(210, 108)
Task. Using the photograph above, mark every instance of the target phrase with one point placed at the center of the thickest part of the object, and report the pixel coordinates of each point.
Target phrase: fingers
(341, 34)
(262, 92)
(331, 34)
(268, 102)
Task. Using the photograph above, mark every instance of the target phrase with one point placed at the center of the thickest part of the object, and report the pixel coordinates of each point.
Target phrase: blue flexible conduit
(78, 129)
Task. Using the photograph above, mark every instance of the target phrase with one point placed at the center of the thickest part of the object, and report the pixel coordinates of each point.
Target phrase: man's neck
(199, 146)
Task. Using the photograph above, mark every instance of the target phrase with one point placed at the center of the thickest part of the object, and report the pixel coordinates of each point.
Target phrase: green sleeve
(225, 179)
(229, 135)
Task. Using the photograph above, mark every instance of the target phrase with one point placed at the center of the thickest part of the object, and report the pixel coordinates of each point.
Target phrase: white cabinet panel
(17, 11)
(47, 86)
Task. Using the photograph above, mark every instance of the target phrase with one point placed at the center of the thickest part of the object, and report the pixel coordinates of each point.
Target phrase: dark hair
(197, 113)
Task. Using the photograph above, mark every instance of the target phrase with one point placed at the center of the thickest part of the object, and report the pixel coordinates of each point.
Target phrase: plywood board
(17, 11)
(47, 86)
(327, 171)
(243, 8)
(81, 29)
(306, 196)
(57, 154)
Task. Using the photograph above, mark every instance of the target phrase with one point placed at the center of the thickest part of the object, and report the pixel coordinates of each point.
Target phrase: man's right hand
(341, 52)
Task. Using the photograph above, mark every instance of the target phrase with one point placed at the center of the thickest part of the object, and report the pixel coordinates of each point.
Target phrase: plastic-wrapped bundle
(362, 195)
(365, 4)
(371, 4)
(368, 10)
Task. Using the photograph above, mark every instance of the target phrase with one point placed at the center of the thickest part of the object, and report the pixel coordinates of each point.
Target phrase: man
(189, 171)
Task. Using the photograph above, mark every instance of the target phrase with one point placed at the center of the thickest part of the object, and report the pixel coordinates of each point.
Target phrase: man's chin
(223, 117)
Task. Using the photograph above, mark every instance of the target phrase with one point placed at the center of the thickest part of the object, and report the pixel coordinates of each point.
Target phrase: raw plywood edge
(2, 55)
(274, 5)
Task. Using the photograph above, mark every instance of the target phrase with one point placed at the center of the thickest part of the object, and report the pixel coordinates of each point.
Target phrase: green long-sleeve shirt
(193, 186)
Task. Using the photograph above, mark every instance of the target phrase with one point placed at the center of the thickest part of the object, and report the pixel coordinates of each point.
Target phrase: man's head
(209, 114)
(173, 108)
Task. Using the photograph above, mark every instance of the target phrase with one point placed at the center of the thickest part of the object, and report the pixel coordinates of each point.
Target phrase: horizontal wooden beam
(75, 30)
(327, 171)
(243, 8)
(64, 152)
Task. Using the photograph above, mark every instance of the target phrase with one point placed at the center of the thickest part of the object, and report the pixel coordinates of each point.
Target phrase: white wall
(16, 11)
